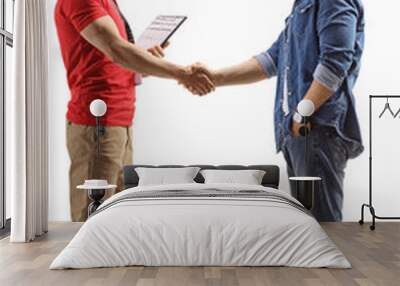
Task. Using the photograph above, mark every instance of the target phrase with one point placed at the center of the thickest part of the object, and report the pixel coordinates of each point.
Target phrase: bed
(199, 224)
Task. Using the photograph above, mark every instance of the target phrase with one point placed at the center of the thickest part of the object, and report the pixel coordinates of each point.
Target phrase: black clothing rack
(370, 204)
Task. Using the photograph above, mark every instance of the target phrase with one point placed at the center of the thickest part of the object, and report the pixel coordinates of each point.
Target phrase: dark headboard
(271, 178)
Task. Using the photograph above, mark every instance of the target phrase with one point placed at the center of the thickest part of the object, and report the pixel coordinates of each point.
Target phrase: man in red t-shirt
(100, 64)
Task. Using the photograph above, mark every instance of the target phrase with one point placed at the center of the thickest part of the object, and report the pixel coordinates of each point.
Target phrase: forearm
(104, 35)
(136, 59)
(318, 94)
(245, 73)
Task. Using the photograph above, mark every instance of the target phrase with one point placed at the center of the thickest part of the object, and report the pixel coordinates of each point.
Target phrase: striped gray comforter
(201, 225)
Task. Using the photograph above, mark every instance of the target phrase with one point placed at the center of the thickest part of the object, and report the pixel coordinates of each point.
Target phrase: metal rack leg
(361, 221)
(372, 210)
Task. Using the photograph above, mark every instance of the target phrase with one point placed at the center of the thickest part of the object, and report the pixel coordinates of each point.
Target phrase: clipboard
(160, 31)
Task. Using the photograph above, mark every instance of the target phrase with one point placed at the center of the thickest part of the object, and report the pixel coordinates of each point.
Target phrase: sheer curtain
(27, 123)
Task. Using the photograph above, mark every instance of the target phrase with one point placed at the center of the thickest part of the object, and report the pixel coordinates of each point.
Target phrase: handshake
(198, 79)
(201, 80)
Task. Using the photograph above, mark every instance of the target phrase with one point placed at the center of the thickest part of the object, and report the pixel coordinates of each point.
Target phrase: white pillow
(246, 177)
(166, 176)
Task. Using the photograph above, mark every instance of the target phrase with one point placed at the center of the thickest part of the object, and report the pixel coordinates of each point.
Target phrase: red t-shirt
(91, 74)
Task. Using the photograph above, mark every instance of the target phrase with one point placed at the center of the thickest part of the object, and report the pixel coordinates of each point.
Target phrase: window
(6, 44)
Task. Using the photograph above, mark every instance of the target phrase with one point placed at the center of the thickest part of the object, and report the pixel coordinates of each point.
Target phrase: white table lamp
(98, 108)
(305, 186)
(306, 108)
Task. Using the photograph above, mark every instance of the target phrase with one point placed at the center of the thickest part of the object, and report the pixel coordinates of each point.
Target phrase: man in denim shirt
(316, 57)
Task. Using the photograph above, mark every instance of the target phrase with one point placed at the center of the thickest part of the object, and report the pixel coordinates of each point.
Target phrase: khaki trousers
(115, 152)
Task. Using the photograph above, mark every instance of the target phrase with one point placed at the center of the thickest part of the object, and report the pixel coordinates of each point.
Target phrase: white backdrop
(234, 125)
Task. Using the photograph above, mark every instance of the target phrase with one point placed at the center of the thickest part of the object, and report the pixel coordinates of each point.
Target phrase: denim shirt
(323, 40)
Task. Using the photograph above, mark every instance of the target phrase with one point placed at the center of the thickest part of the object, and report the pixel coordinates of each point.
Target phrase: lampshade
(306, 108)
(98, 108)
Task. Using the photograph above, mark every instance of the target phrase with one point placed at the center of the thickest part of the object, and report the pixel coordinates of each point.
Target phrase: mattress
(201, 225)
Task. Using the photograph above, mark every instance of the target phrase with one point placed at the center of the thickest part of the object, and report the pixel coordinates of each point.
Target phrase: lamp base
(305, 190)
(96, 196)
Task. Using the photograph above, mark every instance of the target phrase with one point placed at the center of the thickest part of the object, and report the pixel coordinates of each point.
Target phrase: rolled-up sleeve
(270, 58)
(337, 29)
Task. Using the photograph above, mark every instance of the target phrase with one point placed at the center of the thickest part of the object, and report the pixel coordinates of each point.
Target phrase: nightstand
(305, 190)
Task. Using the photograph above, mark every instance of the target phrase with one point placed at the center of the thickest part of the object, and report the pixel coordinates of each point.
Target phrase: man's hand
(198, 80)
(158, 51)
(296, 128)
(202, 68)
(201, 72)
(247, 72)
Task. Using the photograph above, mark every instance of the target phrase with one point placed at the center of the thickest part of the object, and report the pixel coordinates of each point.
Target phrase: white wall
(233, 125)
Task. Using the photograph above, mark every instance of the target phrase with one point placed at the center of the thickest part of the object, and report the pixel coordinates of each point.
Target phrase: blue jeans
(327, 159)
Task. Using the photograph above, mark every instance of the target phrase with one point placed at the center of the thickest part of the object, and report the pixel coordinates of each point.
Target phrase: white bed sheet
(200, 232)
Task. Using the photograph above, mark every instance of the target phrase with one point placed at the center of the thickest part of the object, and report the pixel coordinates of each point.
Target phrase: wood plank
(375, 257)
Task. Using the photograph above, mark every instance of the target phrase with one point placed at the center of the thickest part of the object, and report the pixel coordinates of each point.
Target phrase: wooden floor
(375, 257)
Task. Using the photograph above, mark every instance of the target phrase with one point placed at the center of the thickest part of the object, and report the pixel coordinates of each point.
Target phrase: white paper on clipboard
(160, 30)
